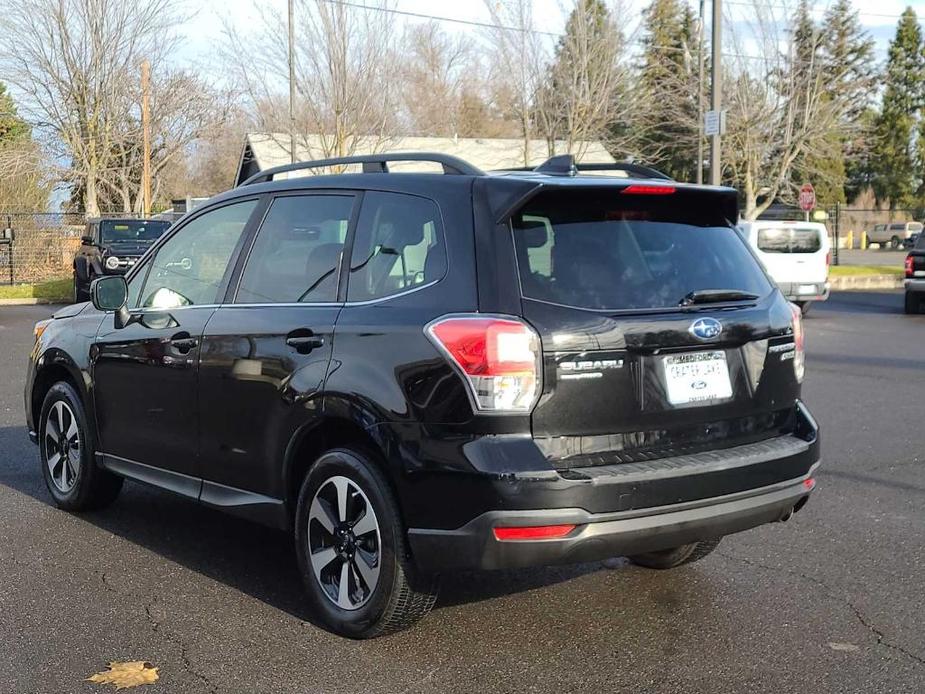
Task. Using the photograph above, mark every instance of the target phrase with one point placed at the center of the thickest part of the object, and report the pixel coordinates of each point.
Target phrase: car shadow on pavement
(256, 560)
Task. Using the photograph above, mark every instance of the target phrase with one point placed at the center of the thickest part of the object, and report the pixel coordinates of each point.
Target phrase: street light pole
(292, 152)
(716, 165)
(145, 138)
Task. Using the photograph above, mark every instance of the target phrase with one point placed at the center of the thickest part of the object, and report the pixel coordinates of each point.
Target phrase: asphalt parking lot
(833, 601)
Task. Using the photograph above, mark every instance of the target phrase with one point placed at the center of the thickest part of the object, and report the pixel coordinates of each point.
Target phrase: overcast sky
(879, 17)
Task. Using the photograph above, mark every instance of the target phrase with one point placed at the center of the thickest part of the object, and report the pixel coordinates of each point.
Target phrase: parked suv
(418, 373)
(112, 246)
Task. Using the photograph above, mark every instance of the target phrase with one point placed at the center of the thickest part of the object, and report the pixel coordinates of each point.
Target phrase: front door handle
(183, 342)
(304, 340)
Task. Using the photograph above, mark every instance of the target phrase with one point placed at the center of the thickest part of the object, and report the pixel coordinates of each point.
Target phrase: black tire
(81, 292)
(401, 595)
(804, 307)
(913, 303)
(670, 558)
(76, 483)
(894, 242)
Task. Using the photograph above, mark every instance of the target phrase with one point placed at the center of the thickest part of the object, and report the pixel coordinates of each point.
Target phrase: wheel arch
(327, 432)
(54, 367)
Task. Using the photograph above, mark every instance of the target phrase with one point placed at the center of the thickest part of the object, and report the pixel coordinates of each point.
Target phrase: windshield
(131, 230)
(789, 240)
(607, 251)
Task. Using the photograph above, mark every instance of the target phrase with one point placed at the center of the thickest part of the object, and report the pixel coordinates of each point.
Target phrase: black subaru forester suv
(417, 373)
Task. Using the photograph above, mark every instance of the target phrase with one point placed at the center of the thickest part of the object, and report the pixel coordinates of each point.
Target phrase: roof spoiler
(373, 163)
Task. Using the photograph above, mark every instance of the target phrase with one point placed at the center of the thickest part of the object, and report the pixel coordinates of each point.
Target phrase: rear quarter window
(605, 251)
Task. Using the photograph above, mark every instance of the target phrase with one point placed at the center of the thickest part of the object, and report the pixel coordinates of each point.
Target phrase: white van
(796, 255)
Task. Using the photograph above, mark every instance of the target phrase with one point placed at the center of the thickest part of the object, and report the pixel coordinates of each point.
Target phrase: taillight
(648, 190)
(910, 266)
(799, 355)
(500, 359)
(828, 259)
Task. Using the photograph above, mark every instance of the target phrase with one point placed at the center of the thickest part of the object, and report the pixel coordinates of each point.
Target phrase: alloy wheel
(344, 543)
(62, 446)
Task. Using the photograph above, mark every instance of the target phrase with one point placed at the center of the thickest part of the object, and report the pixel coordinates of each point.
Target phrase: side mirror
(86, 240)
(110, 293)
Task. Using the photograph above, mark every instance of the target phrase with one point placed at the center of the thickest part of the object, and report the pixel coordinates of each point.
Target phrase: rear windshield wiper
(715, 296)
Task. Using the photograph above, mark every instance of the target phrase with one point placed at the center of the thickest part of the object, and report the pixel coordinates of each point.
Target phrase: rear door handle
(304, 340)
(183, 342)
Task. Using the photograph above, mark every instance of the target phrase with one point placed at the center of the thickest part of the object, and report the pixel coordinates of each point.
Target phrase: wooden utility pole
(701, 59)
(146, 137)
(292, 152)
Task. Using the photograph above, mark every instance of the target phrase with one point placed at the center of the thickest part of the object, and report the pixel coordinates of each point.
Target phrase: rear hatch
(660, 332)
(793, 253)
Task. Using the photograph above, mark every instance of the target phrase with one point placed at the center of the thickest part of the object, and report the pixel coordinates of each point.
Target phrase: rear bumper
(915, 285)
(623, 508)
(799, 291)
(599, 536)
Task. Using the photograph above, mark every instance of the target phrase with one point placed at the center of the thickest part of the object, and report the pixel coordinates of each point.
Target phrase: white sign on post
(714, 123)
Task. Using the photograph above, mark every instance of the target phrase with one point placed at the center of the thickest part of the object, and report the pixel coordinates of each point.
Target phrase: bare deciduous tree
(183, 108)
(780, 109)
(346, 72)
(520, 55)
(74, 63)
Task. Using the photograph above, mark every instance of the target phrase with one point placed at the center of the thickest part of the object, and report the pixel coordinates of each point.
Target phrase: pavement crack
(187, 662)
(833, 594)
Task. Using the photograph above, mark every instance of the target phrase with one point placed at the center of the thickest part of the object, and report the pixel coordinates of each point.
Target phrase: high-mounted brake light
(648, 190)
(799, 341)
(536, 532)
(910, 266)
(499, 358)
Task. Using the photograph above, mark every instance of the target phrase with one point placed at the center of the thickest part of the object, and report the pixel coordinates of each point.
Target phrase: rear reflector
(536, 532)
(648, 190)
(809, 484)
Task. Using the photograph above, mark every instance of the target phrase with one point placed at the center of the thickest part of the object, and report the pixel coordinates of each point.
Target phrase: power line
(438, 18)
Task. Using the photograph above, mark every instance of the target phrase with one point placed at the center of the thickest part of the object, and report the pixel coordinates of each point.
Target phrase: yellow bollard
(864, 243)
(850, 239)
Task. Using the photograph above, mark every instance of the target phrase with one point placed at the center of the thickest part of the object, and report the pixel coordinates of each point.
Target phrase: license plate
(807, 289)
(697, 377)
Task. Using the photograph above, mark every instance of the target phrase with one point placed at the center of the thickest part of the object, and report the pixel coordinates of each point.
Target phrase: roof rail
(373, 163)
(565, 165)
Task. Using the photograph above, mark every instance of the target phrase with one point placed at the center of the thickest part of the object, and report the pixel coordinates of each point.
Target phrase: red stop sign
(807, 197)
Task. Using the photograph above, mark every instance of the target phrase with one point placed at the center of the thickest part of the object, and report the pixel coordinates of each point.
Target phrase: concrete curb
(862, 282)
(30, 302)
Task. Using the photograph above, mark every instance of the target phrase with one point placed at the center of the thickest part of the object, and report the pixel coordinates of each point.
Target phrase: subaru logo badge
(706, 328)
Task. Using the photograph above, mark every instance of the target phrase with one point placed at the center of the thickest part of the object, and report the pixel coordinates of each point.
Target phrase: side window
(189, 267)
(399, 245)
(297, 251)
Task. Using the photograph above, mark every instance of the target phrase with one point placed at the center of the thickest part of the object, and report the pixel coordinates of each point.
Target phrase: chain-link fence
(40, 245)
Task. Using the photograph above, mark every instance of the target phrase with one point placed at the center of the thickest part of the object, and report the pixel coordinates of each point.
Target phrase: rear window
(915, 227)
(789, 240)
(605, 250)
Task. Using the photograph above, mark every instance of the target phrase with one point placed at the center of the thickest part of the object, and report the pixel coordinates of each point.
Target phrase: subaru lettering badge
(706, 328)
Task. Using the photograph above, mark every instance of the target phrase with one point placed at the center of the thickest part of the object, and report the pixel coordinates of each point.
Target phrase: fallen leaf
(133, 673)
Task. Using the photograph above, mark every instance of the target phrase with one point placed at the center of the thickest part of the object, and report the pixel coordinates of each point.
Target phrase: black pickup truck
(915, 276)
(112, 246)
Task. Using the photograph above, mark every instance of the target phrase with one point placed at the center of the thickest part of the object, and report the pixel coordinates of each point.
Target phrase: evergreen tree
(669, 83)
(12, 127)
(850, 73)
(893, 159)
